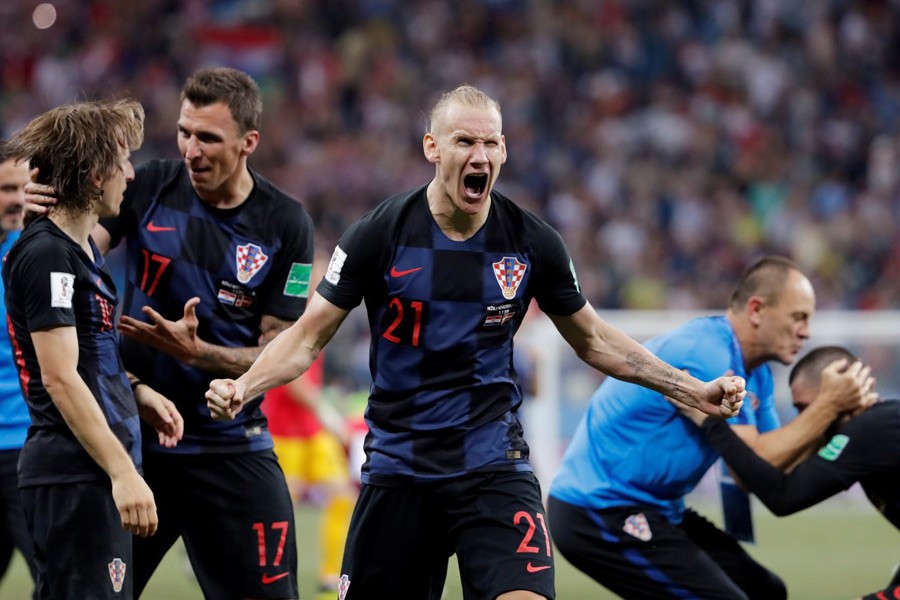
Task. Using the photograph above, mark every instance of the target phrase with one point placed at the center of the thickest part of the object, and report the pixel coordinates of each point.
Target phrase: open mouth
(475, 184)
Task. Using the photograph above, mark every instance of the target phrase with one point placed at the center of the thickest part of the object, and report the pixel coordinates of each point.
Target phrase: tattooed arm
(179, 339)
(610, 351)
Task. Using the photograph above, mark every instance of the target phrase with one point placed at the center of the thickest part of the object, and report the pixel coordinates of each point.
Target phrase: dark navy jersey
(242, 263)
(442, 314)
(864, 449)
(51, 282)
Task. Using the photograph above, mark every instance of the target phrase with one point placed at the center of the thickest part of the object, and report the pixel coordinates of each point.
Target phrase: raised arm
(179, 339)
(783, 494)
(843, 389)
(611, 351)
(57, 354)
(284, 359)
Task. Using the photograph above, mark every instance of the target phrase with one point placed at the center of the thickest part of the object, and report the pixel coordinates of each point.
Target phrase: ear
(755, 306)
(431, 149)
(503, 148)
(250, 142)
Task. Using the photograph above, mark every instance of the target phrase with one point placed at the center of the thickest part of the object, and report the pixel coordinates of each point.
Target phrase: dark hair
(73, 143)
(811, 365)
(234, 88)
(764, 278)
(4, 151)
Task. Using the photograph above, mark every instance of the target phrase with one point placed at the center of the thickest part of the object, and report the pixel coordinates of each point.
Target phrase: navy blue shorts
(402, 537)
(80, 548)
(638, 554)
(235, 516)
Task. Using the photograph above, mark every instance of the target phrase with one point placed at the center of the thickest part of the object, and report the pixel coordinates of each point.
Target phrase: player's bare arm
(284, 359)
(158, 411)
(844, 389)
(609, 350)
(179, 339)
(57, 354)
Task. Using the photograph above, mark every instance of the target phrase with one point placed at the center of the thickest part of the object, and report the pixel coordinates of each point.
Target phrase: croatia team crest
(117, 574)
(509, 273)
(637, 526)
(343, 586)
(250, 259)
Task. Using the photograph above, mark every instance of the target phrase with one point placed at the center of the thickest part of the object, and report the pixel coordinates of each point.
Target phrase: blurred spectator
(670, 143)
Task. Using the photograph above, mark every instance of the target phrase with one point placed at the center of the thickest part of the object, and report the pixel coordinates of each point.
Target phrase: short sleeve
(43, 277)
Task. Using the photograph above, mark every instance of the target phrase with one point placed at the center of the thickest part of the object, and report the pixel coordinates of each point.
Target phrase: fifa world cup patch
(637, 526)
(343, 586)
(62, 288)
(117, 574)
(509, 273)
(249, 258)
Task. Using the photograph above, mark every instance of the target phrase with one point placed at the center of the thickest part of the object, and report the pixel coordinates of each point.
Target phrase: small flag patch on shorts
(343, 586)
(637, 526)
(117, 574)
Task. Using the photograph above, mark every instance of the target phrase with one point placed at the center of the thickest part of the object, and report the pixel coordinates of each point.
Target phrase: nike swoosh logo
(267, 579)
(155, 228)
(397, 273)
(533, 569)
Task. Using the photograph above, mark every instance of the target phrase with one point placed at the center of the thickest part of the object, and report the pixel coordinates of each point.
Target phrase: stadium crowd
(669, 143)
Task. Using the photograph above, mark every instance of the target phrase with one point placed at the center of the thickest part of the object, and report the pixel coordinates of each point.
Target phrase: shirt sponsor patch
(62, 288)
(834, 448)
(297, 284)
(509, 272)
(333, 274)
(249, 258)
(637, 526)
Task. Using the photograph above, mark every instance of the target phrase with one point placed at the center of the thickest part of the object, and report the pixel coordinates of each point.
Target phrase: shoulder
(157, 171)
(393, 213)
(519, 217)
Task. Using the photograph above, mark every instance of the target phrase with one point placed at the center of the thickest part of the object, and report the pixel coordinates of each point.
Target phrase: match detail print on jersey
(509, 272)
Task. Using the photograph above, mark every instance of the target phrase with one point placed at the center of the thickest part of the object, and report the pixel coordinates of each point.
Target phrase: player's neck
(232, 193)
(78, 227)
(745, 334)
(456, 224)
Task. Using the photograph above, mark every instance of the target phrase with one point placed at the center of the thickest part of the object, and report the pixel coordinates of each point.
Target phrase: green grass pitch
(835, 551)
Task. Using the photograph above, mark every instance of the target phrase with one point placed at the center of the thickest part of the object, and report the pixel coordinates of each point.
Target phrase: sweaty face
(115, 184)
(784, 323)
(212, 147)
(13, 178)
(468, 148)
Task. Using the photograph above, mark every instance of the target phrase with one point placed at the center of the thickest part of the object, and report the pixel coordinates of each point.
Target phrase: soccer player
(217, 263)
(14, 419)
(447, 271)
(864, 448)
(617, 500)
(79, 470)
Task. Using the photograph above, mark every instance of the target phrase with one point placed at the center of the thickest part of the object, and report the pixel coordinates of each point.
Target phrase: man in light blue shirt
(617, 503)
(14, 419)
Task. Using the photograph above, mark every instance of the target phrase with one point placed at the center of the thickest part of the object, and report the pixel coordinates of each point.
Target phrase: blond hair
(465, 95)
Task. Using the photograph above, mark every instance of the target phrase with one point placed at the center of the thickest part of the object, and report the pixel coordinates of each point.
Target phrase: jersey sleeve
(357, 258)
(782, 493)
(556, 286)
(288, 281)
(44, 276)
